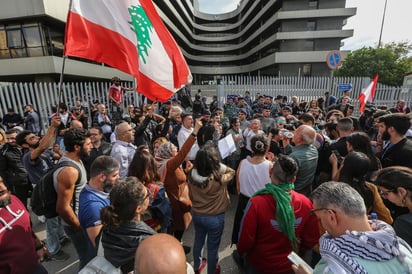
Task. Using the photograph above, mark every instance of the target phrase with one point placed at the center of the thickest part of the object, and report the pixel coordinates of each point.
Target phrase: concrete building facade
(31, 45)
(260, 37)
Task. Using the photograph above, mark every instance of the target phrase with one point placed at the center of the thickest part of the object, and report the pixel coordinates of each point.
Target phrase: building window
(309, 45)
(313, 4)
(15, 41)
(21, 40)
(311, 25)
(307, 69)
(34, 39)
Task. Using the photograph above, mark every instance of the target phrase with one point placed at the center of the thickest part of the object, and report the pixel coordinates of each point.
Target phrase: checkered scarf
(380, 245)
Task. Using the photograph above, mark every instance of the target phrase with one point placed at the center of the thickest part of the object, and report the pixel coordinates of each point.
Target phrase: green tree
(391, 62)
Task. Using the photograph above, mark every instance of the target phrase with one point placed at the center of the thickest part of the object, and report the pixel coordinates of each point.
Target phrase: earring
(403, 201)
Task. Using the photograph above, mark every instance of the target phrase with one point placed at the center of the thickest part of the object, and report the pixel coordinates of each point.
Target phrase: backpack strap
(79, 177)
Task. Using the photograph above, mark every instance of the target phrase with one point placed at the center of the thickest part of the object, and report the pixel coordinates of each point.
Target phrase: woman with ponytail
(123, 227)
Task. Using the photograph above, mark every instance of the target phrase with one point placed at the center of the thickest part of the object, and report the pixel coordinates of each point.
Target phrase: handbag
(99, 264)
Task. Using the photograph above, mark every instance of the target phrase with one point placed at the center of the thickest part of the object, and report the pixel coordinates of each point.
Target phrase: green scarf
(284, 211)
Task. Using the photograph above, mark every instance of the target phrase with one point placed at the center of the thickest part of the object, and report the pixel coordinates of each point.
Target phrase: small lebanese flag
(367, 94)
(128, 35)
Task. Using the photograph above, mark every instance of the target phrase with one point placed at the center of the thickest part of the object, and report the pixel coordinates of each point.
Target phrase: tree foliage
(391, 62)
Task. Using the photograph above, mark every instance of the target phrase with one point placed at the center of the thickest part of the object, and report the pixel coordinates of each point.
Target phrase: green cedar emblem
(142, 27)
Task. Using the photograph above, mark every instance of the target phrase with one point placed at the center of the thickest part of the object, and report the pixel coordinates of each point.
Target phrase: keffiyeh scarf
(379, 245)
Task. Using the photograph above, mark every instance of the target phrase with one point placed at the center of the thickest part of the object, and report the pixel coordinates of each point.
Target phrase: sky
(366, 23)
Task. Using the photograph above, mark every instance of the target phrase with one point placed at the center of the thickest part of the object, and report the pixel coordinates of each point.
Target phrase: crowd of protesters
(157, 168)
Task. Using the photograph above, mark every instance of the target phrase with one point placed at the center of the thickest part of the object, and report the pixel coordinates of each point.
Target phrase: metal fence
(308, 88)
(44, 96)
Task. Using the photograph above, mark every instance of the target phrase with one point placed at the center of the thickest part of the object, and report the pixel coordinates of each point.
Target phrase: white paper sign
(226, 146)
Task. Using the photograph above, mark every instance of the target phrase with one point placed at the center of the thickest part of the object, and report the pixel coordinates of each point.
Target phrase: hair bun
(260, 146)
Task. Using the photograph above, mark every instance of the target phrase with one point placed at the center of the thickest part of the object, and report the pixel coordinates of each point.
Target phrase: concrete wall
(11, 9)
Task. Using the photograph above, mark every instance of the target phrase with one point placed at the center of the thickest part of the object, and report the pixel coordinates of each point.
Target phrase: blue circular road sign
(334, 59)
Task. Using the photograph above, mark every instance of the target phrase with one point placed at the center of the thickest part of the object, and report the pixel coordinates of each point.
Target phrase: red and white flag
(367, 94)
(128, 35)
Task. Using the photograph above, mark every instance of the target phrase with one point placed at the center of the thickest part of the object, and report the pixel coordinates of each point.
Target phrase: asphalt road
(226, 262)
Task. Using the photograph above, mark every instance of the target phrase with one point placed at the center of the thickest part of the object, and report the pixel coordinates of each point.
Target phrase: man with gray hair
(104, 174)
(306, 156)
(352, 243)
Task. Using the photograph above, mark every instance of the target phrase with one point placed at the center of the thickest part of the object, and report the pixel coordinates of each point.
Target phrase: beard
(5, 201)
(107, 186)
(386, 136)
(36, 145)
(83, 153)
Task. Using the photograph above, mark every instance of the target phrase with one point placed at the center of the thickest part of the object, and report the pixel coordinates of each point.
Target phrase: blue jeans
(79, 241)
(212, 227)
(54, 234)
(40, 269)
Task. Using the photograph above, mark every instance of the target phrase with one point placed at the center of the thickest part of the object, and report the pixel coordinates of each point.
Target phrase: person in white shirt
(123, 149)
(184, 132)
(253, 129)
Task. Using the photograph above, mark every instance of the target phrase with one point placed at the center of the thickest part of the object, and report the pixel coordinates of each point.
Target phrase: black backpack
(44, 196)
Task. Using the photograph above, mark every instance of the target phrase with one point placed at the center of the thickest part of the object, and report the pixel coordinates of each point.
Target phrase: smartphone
(295, 259)
(338, 156)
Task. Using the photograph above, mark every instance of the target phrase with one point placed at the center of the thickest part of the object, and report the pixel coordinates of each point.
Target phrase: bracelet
(38, 247)
(194, 135)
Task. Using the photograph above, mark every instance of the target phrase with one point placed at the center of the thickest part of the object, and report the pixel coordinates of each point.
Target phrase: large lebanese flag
(128, 35)
(367, 94)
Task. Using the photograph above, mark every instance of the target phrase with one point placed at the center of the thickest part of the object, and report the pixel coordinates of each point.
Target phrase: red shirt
(260, 238)
(17, 239)
(115, 93)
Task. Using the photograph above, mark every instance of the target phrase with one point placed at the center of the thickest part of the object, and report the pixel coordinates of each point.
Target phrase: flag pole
(60, 91)
(61, 83)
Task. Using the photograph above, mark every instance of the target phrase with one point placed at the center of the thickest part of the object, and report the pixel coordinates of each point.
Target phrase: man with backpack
(38, 160)
(68, 182)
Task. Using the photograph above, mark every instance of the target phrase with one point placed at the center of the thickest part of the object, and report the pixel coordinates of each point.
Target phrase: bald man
(161, 253)
(306, 156)
(76, 124)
